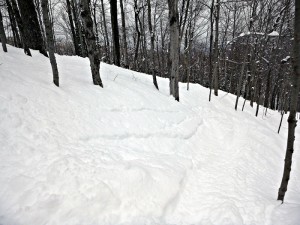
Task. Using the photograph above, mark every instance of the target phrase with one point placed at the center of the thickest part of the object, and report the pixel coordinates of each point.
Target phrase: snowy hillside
(129, 154)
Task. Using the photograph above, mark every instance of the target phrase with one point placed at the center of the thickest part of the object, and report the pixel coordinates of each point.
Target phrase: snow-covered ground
(129, 154)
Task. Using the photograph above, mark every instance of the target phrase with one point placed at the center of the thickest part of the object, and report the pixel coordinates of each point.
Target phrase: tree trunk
(152, 38)
(2, 34)
(107, 46)
(293, 107)
(38, 10)
(138, 33)
(13, 25)
(50, 41)
(21, 27)
(174, 48)
(216, 50)
(75, 42)
(115, 30)
(78, 30)
(240, 83)
(91, 41)
(125, 50)
(31, 26)
(211, 48)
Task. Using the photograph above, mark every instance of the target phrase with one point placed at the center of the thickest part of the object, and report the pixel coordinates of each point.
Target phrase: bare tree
(2, 34)
(91, 41)
(293, 107)
(115, 30)
(174, 48)
(50, 41)
(17, 40)
(31, 26)
(125, 49)
(24, 37)
(152, 38)
(75, 39)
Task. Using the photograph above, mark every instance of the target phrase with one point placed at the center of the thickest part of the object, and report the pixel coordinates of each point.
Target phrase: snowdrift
(129, 154)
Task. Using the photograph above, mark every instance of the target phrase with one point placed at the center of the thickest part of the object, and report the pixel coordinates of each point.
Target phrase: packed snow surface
(129, 154)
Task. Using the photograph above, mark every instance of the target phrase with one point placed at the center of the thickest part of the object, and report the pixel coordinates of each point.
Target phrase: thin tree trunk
(2, 34)
(125, 50)
(293, 107)
(91, 42)
(38, 10)
(174, 48)
(50, 41)
(152, 38)
(75, 42)
(258, 97)
(78, 29)
(138, 33)
(216, 51)
(211, 47)
(115, 31)
(240, 83)
(107, 45)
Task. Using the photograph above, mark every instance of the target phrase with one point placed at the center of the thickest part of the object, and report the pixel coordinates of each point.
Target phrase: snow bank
(129, 154)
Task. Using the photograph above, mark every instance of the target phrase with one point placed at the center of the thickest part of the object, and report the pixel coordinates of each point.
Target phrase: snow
(285, 59)
(129, 154)
(274, 33)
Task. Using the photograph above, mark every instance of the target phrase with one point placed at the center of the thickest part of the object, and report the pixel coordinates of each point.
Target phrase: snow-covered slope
(129, 154)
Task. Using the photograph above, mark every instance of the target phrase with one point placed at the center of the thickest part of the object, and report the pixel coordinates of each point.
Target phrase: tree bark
(31, 26)
(91, 41)
(211, 48)
(293, 107)
(240, 83)
(174, 48)
(78, 30)
(21, 28)
(138, 34)
(50, 41)
(216, 50)
(106, 38)
(125, 50)
(152, 38)
(13, 23)
(2, 34)
(115, 31)
(75, 41)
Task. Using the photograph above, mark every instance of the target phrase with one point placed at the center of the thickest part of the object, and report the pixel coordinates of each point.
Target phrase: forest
(246, 49)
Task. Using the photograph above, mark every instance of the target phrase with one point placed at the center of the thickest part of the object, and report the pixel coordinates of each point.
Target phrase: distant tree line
(242, 47)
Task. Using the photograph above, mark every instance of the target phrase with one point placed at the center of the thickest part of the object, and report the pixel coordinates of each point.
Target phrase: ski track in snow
(129, 154)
